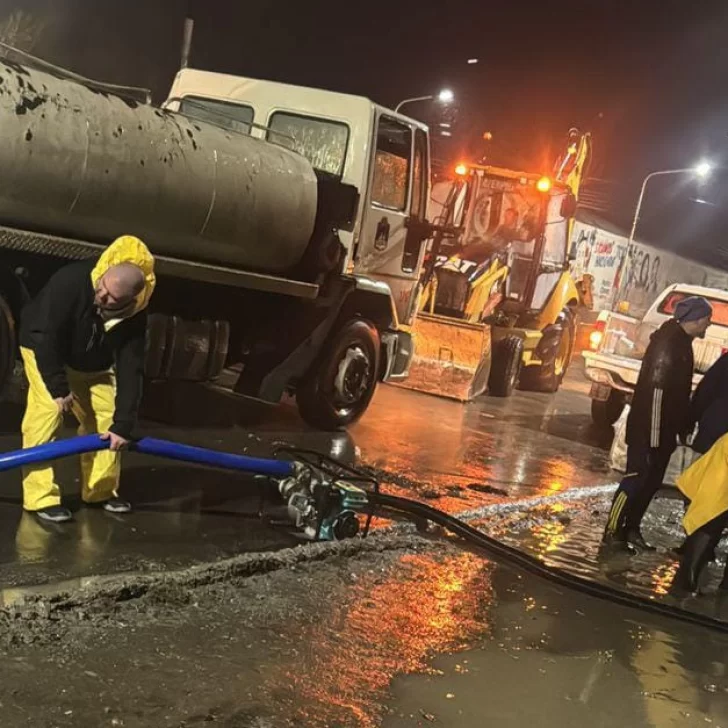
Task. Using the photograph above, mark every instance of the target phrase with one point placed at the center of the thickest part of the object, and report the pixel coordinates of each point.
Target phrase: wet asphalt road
(392, 638)
(457, 457)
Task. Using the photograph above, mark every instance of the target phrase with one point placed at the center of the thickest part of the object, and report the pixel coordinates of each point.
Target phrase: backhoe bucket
(451, 358)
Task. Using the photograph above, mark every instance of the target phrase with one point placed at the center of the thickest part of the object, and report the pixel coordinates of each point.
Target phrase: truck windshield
(505, 217)
(236, 117)
(720, 308)
(322, 141)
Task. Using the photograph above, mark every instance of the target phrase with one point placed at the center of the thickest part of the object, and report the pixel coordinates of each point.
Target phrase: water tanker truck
(287, 224)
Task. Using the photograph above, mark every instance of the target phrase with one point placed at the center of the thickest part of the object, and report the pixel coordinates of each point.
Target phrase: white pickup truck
(619, 343)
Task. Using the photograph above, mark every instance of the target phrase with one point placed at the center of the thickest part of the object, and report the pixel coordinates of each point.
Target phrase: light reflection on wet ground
(384, 626)
(555, 658)
(526, 652)
(567, 535)
(451, 454)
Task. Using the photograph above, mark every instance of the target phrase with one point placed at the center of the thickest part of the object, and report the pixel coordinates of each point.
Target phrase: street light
(701, 170)
(704, 169)
(446, 96)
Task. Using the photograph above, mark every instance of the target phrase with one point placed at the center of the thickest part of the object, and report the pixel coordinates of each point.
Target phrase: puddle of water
(567, 535)
(556, 658)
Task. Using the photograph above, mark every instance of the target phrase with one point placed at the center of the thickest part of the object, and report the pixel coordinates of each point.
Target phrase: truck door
(390, 245)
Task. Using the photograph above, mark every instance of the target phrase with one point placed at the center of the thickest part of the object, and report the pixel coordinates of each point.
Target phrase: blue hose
(148, 446)
(215, 458)
(51, 451)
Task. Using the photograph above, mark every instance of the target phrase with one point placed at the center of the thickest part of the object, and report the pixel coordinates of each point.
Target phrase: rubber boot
(696, 553)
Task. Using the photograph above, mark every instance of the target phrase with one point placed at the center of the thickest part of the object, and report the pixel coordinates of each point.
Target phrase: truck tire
(341, 384)
(549, 376)
(605, 414)
(506, 366)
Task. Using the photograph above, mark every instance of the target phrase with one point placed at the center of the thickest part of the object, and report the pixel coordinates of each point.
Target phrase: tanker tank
(81, 163)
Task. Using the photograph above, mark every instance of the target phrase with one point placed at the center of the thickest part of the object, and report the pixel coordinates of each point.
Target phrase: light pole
(446, 96)
(701, 170)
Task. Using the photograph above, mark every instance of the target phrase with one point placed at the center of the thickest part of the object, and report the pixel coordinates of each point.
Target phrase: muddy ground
(395, 631)
(301, 637)
(192, 612)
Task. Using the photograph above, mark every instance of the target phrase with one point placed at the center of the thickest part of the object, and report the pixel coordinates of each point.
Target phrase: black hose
(534, 566)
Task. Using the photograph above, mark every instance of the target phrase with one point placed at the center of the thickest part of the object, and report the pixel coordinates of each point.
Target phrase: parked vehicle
(287, 223)
(619, 343)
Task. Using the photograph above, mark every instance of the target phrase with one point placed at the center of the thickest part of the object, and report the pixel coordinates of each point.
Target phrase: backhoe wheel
(507, 357)
(340, 386)
(549, 376)
(565, 350)
(605, 414)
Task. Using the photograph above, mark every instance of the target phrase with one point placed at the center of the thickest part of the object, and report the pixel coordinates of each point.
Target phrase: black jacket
(63, 328)
(709, 407)
(661, 401)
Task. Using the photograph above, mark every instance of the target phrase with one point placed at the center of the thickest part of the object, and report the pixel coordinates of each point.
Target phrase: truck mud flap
(451, 358)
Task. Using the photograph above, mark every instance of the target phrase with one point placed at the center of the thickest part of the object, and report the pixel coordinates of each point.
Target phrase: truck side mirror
(417, 232)
(418, 229)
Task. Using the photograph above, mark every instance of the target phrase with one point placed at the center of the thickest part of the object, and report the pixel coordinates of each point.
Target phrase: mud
(70, 612)
(310, 637)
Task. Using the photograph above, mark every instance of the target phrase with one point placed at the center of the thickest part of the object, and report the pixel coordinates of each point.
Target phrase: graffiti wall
(635, 273)
(602, 255)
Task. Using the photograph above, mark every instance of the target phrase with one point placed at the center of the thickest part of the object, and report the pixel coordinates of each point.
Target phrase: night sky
(647, 77)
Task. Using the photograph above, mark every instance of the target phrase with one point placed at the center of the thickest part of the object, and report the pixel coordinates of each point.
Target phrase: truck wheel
(507, 358)
(341, 385)
(605, 414)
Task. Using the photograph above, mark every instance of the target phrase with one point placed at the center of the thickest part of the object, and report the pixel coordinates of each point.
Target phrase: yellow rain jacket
(64, 330)
(705, 483)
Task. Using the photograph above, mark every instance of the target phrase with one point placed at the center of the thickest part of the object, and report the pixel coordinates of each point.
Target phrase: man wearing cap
(658, 416)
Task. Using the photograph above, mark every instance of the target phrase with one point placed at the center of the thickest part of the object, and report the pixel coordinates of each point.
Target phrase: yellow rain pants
(705, 483)
(94, 395)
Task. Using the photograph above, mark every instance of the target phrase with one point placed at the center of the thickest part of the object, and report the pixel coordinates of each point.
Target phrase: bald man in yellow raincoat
(82, 340)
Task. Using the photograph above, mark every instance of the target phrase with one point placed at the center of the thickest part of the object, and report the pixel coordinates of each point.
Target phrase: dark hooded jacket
(661, 401)
(710, 406)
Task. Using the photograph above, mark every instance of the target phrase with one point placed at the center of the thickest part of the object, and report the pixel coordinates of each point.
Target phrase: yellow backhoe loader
(497, 304)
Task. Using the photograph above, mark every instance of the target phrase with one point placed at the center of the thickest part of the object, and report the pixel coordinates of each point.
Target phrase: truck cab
(381, 153)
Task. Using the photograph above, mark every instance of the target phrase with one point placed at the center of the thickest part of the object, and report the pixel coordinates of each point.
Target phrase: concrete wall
(633, 274)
